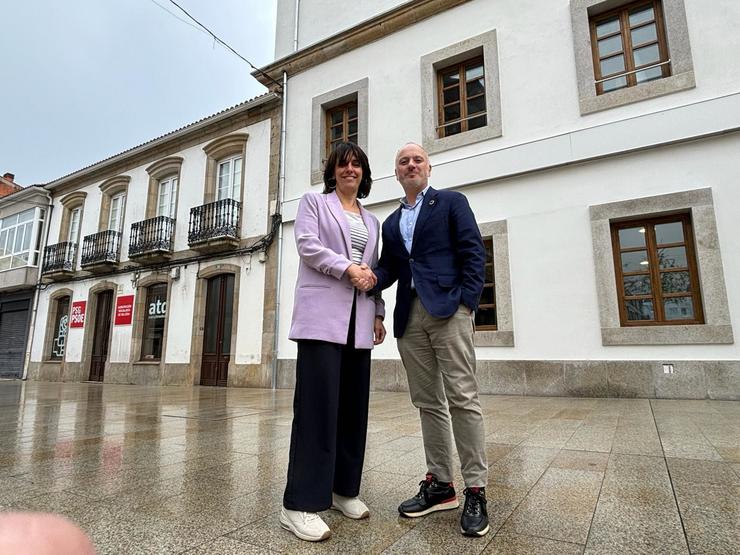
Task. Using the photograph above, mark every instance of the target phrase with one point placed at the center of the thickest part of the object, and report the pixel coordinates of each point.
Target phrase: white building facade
(596, 143)
(157, 268)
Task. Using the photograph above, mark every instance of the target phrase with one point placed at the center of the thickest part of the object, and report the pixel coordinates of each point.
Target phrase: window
(154, 318)
(117, 207)
(17, 234)
(74, 225)
(341, 126)
(462, 97)
(494, 320)
(485, 318)
(628, 51)
(163, 187)
(337, 116)
(657, 280)
(670, 289)
(113, 204)
(629, 46)
(224, 168)
(59, 332)
(461, 83)
(72, 215)
(167, 197)
(229, 178)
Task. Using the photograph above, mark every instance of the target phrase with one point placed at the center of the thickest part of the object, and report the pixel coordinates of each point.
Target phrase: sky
(82, 80)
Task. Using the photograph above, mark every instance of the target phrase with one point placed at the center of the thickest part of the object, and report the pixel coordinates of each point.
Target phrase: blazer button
(411, 260)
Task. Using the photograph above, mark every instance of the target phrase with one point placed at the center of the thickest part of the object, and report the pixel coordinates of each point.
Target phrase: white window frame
(73, 235)
(168, 189)
(30, 229)
(233, 188)
(119, 198)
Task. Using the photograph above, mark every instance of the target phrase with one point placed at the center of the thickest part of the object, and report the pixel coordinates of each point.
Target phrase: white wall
(552, 265)
(538, 81)
(554, 299)
(319, 20)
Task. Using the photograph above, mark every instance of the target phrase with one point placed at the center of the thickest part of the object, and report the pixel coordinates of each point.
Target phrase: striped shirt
(358, 233)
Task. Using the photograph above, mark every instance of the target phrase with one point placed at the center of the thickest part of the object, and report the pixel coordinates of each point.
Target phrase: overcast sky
(82, 80)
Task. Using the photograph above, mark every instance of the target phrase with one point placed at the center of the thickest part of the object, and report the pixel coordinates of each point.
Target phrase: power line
(217, 39)
(173, 14)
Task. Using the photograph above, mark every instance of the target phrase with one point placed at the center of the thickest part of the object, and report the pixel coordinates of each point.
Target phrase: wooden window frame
(346, 120)
(488, 244)
(625, 31)
(657, 296)
(463, 120)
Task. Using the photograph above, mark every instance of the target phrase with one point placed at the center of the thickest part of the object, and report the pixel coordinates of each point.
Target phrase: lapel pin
(431, 202)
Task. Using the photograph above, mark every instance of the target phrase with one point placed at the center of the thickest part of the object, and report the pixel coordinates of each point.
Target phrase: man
(432, 247)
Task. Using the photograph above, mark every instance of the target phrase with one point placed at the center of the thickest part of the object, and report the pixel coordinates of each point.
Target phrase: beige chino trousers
(439, 358)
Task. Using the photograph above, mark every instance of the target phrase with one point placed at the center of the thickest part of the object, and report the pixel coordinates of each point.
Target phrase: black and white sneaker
(433, 496)
(474, 519)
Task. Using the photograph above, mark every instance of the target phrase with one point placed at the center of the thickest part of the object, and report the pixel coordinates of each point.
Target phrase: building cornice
(364, 33)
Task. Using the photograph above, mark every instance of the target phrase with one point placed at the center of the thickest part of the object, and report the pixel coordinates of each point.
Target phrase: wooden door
(101, 335)
(214, 368)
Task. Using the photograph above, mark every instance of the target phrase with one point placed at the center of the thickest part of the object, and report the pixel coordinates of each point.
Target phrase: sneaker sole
(446, 506)
(476, 534)
(352, 515)
(287, 526)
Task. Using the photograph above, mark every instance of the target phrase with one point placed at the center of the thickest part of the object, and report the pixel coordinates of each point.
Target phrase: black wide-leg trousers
(327, 443)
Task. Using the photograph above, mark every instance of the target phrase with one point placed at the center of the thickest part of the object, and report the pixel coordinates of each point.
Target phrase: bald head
(411, 143)
(412, 170)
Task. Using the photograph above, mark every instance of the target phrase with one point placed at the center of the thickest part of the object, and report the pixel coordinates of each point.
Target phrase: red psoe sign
(124, 310)
(77, 314)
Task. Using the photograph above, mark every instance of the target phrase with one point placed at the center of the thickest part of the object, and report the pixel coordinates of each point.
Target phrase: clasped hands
(362, 276)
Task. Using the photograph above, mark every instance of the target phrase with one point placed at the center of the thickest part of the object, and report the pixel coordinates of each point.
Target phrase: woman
(335, 326)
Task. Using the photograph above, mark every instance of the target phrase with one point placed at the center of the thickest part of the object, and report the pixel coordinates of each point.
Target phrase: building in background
(24, 213)
(596, 141)
(157, 268)
(7, 184)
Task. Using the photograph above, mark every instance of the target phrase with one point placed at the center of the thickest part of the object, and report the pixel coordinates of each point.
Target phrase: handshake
(362, 276)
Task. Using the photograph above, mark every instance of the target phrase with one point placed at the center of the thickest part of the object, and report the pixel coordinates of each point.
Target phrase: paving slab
(202, 470)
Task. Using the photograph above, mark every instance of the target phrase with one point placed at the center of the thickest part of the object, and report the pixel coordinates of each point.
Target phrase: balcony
(101, 251)
(152, 239)
(214, 226)
(59, 261)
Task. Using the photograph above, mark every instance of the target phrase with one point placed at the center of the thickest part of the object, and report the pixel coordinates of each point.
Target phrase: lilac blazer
(323, 294)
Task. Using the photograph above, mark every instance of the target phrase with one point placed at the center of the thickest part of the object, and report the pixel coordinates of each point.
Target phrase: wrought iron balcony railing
(101, 248)
(154, 235)
(61, 257)
(214, 220)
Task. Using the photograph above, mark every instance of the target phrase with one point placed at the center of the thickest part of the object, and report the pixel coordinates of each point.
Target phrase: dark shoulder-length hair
(342, 154)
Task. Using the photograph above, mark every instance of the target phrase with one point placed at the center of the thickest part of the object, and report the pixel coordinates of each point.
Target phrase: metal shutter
(13, 330)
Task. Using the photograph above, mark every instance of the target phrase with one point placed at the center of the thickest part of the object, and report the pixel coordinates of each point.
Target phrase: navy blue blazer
(447, 259)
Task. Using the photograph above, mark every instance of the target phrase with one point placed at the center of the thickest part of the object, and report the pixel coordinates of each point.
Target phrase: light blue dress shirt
(409, 215)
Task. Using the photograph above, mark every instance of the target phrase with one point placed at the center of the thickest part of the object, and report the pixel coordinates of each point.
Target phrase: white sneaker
(350, 507)
(306, 526)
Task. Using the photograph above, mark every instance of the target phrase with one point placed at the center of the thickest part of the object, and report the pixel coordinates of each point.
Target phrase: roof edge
(368, 31)
(173, 135)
